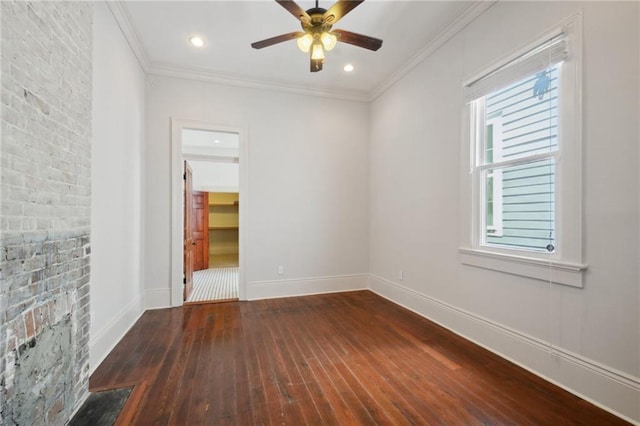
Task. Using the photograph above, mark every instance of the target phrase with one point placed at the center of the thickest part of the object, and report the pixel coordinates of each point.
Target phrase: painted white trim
(122, 18)
(604, 386)
(192, 73)
(210, 158)
(157, 298)
(565, 273)
(468, 15)
(306, 286)
(103, 341)
(177, 213)
(638, 235)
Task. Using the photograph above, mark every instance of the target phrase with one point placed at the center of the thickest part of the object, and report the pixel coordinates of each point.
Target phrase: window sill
(564, 273)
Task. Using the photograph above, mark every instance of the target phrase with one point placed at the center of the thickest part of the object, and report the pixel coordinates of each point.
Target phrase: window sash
(528, 213)
(520, 160)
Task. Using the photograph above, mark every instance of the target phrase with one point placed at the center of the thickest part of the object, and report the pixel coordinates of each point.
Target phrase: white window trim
(565, 265)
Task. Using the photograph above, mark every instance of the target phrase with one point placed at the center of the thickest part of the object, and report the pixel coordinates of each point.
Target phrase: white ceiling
(197, 138)
(206, 142)
(159, 30)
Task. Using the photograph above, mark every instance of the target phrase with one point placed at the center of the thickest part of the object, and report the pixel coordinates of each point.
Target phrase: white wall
(415, 206)
(308, 190)
(116, 186)
(211, 176)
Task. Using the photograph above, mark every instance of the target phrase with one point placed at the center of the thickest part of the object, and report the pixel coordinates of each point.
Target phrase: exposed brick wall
(45, 159)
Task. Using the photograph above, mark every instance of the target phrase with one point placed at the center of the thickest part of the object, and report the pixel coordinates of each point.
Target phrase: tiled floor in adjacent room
(214, 284)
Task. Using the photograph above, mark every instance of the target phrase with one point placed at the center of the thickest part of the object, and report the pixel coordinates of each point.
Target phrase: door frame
(187, 233)
(177, 202)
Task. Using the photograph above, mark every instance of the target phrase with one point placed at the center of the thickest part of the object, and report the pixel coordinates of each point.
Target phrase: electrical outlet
(280, 270)
(401, 275)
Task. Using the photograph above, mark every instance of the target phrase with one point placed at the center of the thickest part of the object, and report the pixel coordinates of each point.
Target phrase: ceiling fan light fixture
(317, 52)
(305, 42)
(318, 35)
(328, 41)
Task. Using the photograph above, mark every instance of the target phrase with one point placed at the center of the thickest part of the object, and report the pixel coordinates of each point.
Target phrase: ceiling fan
(318, 35)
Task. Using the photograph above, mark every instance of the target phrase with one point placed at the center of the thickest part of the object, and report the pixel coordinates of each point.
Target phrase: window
(523, 180)
(516, 164)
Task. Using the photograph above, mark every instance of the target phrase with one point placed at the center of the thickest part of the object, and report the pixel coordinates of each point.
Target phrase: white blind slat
(546, 55)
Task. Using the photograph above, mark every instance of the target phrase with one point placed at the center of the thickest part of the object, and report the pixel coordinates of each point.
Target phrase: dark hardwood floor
(336, 359)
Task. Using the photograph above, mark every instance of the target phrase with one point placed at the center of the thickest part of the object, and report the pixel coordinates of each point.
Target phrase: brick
(55, 410)
(45, 171)
(30, 324)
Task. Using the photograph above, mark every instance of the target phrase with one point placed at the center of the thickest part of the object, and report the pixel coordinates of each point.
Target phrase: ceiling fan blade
(295, 10)
(275, 40)
(339, 9)
(316, 65)
(359, 40)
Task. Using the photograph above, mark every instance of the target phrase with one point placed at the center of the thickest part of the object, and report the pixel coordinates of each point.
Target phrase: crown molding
(120, 14)
(119, 11)
(469, 14)
(170, 70)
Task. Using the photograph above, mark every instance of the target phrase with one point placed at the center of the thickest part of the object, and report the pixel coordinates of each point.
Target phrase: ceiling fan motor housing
(317, 25)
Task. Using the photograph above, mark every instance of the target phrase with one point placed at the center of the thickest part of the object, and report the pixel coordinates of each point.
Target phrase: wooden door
(200, 235)
(188, 232)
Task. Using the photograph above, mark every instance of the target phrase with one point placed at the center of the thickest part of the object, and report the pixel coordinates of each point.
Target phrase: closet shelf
(227, 204)
(222, 227)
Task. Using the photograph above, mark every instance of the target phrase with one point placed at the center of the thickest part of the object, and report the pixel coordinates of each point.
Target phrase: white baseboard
(102, 342)
(612, 390)
(157, 298)
(306, 286)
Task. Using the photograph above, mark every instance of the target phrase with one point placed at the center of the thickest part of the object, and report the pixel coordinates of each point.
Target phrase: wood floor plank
(388, 392)
(417, 365)
(469, 392)
(257, 387)
(335, 407)
(287, 390)
(348, 358)
(335, 359)
(186, 400)
(297, 390)
(318, 398)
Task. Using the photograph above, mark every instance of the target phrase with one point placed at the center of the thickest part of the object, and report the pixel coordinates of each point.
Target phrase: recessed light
(216, 141)
(197, 41)
(348, 68)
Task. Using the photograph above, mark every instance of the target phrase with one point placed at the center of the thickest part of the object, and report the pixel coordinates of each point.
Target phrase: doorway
(207, 249)
(212, 204)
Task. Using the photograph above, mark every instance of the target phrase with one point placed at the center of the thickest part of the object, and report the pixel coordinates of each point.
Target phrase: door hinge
(184, 176)
(184, 280)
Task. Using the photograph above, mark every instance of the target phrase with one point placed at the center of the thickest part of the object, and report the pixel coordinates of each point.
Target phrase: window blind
(525, 127)
(538, 59)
